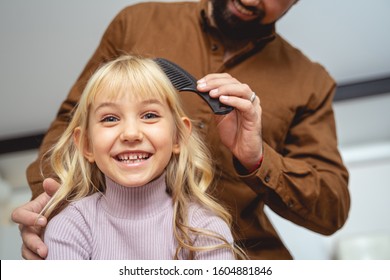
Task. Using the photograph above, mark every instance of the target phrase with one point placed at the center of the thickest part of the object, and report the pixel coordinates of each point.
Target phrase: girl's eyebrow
(106, 104)
(152, 101)
(117, 104)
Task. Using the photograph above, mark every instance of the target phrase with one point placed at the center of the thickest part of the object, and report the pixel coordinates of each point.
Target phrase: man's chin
(233, 27)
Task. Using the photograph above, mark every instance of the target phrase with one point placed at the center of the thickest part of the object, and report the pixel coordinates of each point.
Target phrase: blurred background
(46, 43)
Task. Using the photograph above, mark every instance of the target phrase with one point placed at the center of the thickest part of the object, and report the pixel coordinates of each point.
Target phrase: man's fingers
(27, 218)
(33, 246)
(31, 222)
(50, 186)
(28, 214)
(29, 255)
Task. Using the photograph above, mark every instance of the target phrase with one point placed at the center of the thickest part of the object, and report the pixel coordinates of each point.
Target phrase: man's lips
(242, 11)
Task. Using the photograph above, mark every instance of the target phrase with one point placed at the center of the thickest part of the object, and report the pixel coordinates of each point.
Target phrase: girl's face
(131, 140)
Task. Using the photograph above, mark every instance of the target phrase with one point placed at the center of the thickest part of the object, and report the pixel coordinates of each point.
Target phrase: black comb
(183, 81)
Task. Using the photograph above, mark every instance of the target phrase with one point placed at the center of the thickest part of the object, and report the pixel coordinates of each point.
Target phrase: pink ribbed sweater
(127, 223)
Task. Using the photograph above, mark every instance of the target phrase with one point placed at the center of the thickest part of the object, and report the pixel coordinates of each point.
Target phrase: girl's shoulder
(195, 209)
(88, 205)
(201, 217)
(78, 214)
(84, 207)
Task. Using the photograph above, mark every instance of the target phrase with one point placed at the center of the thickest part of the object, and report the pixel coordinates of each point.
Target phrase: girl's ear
(83, 147)
(188, 125)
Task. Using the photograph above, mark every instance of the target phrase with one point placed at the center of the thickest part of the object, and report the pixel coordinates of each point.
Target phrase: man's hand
(31, 223)
(240, 130)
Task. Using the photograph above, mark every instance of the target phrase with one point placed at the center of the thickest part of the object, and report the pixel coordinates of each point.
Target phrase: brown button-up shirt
(302, 177)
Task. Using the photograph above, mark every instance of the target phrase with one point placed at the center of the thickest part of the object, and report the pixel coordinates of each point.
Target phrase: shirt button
(214, 47)
(267, 178)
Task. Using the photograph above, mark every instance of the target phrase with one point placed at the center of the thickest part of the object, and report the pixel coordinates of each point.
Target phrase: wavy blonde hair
(189, 174)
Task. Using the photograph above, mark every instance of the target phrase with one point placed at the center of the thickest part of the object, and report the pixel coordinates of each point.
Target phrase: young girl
(134, 175)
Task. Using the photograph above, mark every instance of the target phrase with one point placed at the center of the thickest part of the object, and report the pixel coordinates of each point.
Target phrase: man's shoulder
(297, 57)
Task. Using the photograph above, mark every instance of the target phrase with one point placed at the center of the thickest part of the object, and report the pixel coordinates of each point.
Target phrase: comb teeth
(180, 79)
(183, 81)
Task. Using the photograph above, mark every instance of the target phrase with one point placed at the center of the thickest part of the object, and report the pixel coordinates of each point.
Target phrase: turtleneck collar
(136, 202)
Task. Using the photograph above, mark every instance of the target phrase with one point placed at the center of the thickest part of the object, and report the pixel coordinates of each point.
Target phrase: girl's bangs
(142, 83)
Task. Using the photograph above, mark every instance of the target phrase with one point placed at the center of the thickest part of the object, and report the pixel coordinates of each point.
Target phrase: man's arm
(307, 183)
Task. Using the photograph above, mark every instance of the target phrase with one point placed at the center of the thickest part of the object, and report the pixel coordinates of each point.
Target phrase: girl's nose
(131, 133)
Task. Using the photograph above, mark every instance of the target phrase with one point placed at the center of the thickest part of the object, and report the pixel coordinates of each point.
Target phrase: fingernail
(201, 85)
(224, 97)
(41, 222)
(39, 252)
(213, 91)
(201, 81)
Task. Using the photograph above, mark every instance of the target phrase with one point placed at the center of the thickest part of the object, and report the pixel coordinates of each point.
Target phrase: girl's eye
(150, 116)
(110, 119)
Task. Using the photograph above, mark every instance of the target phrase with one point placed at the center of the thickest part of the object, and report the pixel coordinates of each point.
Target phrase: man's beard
(233, 27)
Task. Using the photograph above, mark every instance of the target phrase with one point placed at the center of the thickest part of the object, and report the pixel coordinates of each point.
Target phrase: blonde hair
(189, 174)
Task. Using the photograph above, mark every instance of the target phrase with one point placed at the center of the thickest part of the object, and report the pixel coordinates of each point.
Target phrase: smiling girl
(134, 175)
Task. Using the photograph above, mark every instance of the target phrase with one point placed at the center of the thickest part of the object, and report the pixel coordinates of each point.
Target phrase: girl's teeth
(133, 157)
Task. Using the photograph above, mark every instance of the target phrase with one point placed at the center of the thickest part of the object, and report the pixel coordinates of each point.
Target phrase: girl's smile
(133, 157)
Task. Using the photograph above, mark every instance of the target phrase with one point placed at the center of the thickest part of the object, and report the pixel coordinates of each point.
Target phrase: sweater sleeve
(68, 236)
(204, 219)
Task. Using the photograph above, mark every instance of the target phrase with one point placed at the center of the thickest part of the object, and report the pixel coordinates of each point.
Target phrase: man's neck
(231, 45)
